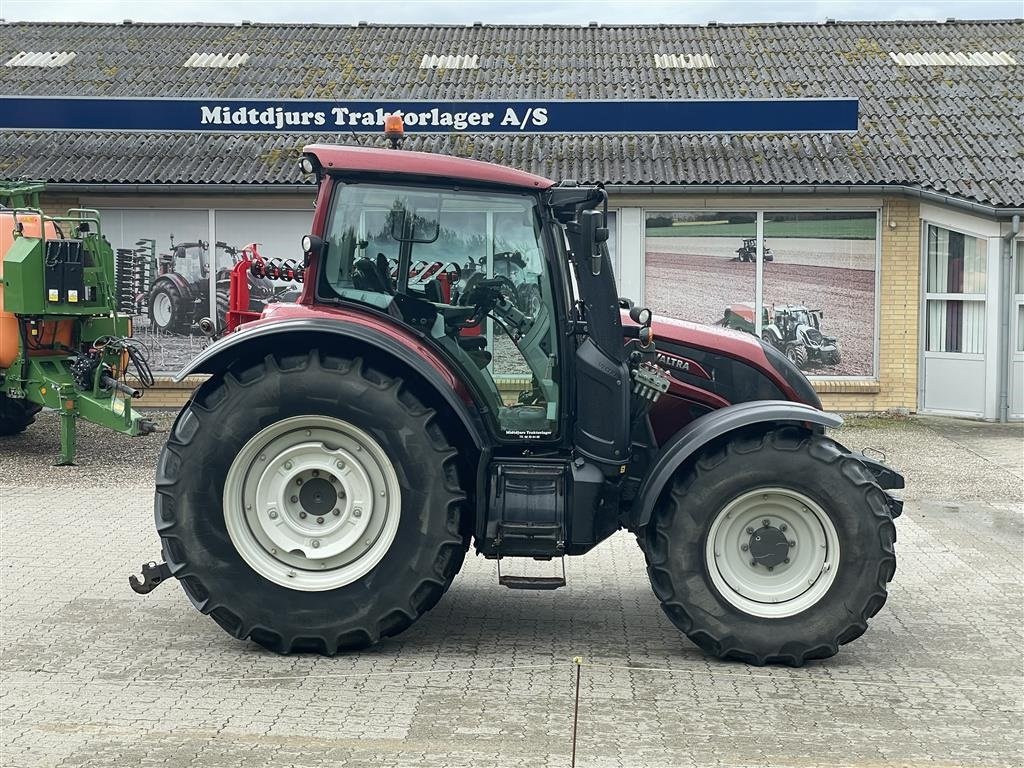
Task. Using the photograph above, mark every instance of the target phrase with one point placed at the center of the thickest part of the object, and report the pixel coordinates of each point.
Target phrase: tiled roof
(954, 129)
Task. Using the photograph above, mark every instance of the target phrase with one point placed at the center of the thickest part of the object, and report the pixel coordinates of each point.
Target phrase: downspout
(1006, 284)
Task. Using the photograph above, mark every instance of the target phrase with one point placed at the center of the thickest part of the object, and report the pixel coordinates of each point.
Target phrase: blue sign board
(541, 116)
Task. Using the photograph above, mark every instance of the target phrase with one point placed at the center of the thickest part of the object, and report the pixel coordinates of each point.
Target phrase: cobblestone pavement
(93, 675)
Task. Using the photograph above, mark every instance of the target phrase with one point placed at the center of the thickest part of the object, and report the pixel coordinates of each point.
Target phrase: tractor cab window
(465, 267)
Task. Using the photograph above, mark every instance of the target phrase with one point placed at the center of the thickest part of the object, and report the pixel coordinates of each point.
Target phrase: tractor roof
(397, 161)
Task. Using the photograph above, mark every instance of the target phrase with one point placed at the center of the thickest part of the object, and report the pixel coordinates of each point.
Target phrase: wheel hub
(772, 552)
(318, 496)
(312, 503)
(769, 546)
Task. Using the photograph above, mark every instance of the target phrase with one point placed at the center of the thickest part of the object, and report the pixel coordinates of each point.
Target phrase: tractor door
(466, 267)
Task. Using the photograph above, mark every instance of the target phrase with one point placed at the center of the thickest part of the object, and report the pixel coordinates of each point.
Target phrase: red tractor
(320, 490)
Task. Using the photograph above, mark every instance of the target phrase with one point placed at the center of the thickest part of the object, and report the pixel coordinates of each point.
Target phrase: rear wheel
(223, 302)
(310, 503)
(169, 310)
(781, 562)
(16, 415)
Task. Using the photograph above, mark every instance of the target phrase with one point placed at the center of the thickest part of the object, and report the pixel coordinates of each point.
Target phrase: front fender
(698, 433)
(296, 334)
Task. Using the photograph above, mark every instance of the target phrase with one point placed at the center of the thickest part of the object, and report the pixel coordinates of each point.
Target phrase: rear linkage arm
(153, 575)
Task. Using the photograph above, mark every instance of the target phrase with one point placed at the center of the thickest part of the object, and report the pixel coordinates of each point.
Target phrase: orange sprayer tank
(59, 331)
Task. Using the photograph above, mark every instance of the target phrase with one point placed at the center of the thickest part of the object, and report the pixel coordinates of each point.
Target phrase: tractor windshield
(471, 262)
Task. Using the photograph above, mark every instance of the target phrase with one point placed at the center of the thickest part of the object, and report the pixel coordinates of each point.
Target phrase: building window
(955, 275)
(818, 280)
(699, 265)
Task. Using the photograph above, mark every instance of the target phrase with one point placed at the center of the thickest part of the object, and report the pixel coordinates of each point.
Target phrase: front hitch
(887, 478)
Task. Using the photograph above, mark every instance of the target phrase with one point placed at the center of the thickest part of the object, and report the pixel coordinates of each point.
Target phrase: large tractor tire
(796, 353)
(774, 548)
(169, 310)
(311, 503)
(223, 302)
(16, 415)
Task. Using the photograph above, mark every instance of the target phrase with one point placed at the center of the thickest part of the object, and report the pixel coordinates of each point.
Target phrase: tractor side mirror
(592, 234)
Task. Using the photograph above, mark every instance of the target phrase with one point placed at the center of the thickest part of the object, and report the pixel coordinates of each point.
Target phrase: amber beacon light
(394, 130)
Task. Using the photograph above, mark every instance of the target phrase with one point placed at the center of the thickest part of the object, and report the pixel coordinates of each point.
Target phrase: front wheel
(775, 548)
(311, 503)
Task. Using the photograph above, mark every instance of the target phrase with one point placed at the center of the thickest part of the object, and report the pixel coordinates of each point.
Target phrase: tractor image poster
(174, 265)
(818, 278)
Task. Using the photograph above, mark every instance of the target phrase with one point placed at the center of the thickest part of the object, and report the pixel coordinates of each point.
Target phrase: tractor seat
(366, 277)
(432, 291)
(475, 349)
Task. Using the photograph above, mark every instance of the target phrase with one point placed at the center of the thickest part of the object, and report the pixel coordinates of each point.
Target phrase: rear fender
(254, 341)
(184, 286)
(688, 442)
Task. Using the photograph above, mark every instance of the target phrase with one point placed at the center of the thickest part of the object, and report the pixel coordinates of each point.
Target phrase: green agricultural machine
(63, 344)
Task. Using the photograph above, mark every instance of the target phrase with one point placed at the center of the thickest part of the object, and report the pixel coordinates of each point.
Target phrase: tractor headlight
(306, 166)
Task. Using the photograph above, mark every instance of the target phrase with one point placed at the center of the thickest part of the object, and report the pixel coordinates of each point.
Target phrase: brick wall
(57, 204)
(899, 302)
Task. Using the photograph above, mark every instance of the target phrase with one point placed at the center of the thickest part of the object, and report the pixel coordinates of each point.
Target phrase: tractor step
(531, 582)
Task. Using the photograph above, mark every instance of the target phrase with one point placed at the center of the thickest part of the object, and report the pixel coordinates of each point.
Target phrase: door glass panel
(475, 261)
(700, 266)
(956, 262)
(955, 326)
(1018, 289)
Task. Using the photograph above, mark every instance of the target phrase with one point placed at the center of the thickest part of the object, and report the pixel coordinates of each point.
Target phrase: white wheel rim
(312, 503)
(797, 529)
(162, 310)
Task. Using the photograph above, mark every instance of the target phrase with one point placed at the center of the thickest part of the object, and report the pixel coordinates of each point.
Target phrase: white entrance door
(1017, 333)
(955, 333)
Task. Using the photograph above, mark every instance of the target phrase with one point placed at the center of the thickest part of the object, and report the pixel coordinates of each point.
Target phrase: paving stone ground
(93, 675)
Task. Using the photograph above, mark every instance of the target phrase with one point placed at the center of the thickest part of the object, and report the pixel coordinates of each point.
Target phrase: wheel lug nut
(319, 521)
(792, 543)
(302, 515)
(357, 512)
(273, 514)
(750, 529)
(316, 473)
(766, 522)
(287, 465)
(298, 481)
(754, 563)
(337, 512)
(340, 464)
(786, 560)
(783, 527)
(771, 568)
(744, 547)
(315, 543)
(294, 499)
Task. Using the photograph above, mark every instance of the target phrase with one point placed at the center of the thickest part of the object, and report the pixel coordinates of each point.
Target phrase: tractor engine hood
(674, 337)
